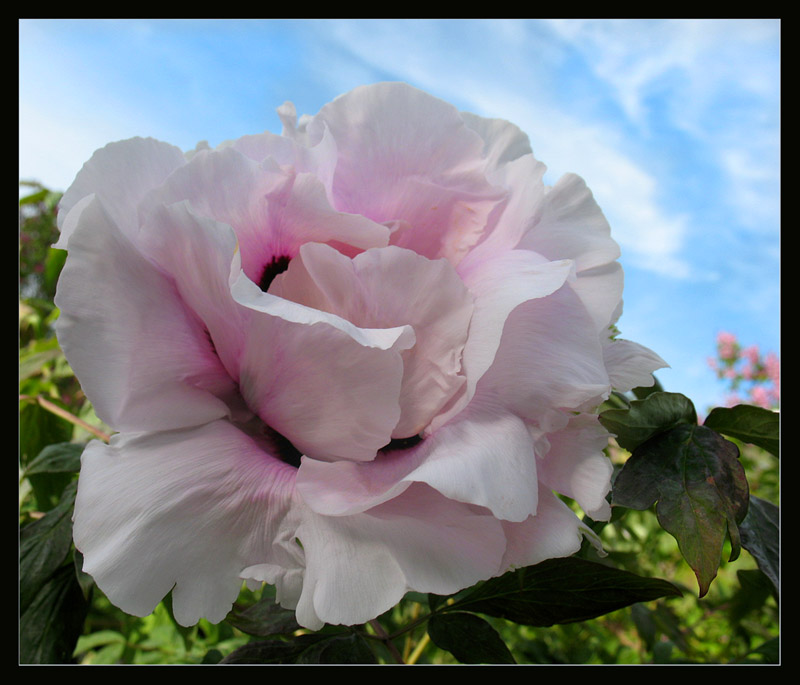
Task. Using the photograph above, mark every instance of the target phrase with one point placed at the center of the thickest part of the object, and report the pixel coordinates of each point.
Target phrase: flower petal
(576, 466)
(183, 510)
(142, 357)
(385, 288)
(272, 209)
(549, 358)
(329, 387)
(120, 174)
(482, 457)
(555, 531)
(630, 365)
(500, 285)
(359, 566)
(201, 256)
(406, 156)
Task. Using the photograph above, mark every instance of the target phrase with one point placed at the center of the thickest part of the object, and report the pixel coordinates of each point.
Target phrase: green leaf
(695, 476)
(658, 412)
(745, 422)
(44, 545)
(264, 618)
(469, 638)
(50, 626)
(645, 391)
(560, 591)
(65, 457)
(760, 533)
(344, 647)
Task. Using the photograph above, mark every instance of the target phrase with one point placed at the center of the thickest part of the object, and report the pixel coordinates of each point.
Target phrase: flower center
(277, 266)
(282, 447)
(401, 443)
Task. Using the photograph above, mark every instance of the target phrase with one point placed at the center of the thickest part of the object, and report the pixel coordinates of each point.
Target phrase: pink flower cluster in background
(752, 378)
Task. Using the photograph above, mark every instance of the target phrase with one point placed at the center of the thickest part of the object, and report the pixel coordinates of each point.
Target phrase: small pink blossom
(352, 360)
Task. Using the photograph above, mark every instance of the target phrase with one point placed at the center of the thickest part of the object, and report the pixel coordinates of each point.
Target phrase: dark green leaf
(263, 619)
(760, 536)
(44, 545)
(561, 591)
(770, 651)
(53, 621)
(643, 392)
(645, 418)
(469, 638)
(344, 647)
(695, 476)
(754, 590)
(64, 457)
(745, 422)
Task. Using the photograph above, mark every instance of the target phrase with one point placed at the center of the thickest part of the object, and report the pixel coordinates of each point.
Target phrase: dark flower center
(284, 449)
(277, 266)
(401, 443)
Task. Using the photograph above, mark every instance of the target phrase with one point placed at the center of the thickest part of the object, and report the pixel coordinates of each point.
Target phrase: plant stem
(67, 416)
(383, 635)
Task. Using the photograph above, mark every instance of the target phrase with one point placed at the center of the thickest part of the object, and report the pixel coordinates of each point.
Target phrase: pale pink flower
(751, 354)
(760, 396)
(352, 360)
(727, 345)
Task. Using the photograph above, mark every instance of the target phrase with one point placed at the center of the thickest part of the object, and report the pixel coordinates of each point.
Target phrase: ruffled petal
(503, 141)
(201, 257)
(576, 466)
(359, 566)
(119, 175)
(483, 458)
(185, 511)
(272, 209)
(570, 225)
(331, 388)
(554, 532)
(142, 357)
(500, 285)
(549, 359)
(630, 365)
(405, 156)
(385, 288)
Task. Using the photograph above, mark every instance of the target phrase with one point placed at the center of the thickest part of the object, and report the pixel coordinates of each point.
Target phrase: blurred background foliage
(64, 618)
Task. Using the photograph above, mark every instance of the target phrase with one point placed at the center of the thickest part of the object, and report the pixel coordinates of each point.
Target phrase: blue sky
(674, 124)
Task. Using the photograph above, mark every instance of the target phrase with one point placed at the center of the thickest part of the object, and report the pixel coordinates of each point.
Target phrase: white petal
(182, 510)
(549, 359)
(570, 225)
(404, 155)
(554, 532)
(481, 457)
(360, 566)
(499, 286)
(201, 256)
(576, 466)
(120, 174)
(143, 359)
(385, 288)
(329, 387)
(630, 365)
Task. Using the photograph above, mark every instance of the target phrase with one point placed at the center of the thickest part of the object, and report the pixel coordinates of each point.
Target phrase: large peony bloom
(352, 360)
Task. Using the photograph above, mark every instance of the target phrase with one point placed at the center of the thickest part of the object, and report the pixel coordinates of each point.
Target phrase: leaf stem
(384, 637)
(67, 416)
